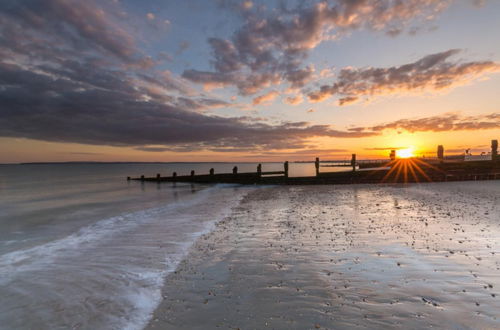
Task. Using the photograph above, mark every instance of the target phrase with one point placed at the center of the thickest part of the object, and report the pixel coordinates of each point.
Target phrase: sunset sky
(224, 80)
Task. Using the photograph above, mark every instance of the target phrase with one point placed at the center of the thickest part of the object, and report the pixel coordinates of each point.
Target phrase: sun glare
(405, 153)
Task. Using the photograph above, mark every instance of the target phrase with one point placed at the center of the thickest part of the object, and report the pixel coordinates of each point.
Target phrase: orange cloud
(431, 73)
(294, 100)
(440, 123)
(268, 97)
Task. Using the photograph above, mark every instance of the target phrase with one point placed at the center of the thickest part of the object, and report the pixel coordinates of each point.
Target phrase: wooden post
(174, 175)
(259, 170)
(285, 165)
(353, 162)
(128, 178)
(440, 153)
(158, 176)
(235, 170)
(316, 164)
(212, 171)
(392, 155)
(192, 173)
(494, 149)
(142, 177)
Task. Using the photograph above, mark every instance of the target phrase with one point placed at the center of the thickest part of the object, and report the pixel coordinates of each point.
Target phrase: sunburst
(408, 169)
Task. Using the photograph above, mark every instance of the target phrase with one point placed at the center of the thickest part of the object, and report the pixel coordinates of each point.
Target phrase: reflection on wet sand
(413, 256)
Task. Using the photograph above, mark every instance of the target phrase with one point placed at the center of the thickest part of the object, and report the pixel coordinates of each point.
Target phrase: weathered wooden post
(392, 155)
(440, 153)
(174, 176)
(494, 149)
(142, 177)
(235, 170)
(285, 165)
(192, 173)
(158, 176)
(316, 164)
(128, 178)
(353, 162)
(259, 170)
(212, 171)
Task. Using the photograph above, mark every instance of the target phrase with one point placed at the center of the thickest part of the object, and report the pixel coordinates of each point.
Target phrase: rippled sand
(333, 257)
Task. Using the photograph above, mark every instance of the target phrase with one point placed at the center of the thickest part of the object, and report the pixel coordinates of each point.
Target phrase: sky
(231, 80)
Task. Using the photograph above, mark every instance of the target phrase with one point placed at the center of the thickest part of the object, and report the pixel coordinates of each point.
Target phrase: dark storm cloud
(431, 73)
(270, 46)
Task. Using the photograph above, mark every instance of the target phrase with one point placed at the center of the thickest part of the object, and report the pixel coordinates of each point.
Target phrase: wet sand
(343, 257)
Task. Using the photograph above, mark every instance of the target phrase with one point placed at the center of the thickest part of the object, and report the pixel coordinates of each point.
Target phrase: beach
(83, 248)
(343, 257)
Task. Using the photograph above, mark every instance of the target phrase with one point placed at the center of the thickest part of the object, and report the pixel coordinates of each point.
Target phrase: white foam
(23, 260)
(133, 285)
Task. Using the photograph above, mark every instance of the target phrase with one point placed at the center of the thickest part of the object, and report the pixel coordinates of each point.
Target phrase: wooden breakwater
(394, 171)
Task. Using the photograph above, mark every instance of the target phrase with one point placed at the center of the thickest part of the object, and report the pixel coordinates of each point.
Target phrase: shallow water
(80, 247)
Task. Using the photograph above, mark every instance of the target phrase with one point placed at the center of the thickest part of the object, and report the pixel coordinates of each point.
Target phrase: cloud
(384, 148)
(150, 16)
(83, 24)
(431, 73)
(105, 107)
(294, 100)
(183, 45)
(271, 45)
(200, 103)
(268, 97)
(70, 73)
(440, 123)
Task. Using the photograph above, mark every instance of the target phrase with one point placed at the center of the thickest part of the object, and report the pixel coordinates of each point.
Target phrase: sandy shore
(343, 257)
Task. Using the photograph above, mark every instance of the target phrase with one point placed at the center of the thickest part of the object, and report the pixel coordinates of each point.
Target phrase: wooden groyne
(394, 171)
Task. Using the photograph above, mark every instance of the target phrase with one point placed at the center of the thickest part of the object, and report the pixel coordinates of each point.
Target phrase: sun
(405, 153)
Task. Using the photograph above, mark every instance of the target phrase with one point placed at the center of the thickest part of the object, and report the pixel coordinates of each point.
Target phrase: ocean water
(82, 248)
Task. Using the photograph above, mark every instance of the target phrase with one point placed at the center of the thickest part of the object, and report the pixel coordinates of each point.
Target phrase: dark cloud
(271, 45)
(33, 27)
(431, 73)
(54, 107)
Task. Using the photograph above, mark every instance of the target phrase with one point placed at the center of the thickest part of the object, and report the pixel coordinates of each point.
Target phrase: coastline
(359, 256)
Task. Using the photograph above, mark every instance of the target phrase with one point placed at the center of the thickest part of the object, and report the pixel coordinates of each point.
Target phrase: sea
(83, 248)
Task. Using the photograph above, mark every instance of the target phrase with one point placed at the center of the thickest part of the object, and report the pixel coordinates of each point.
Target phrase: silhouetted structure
(440, 153)
(395, 171)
